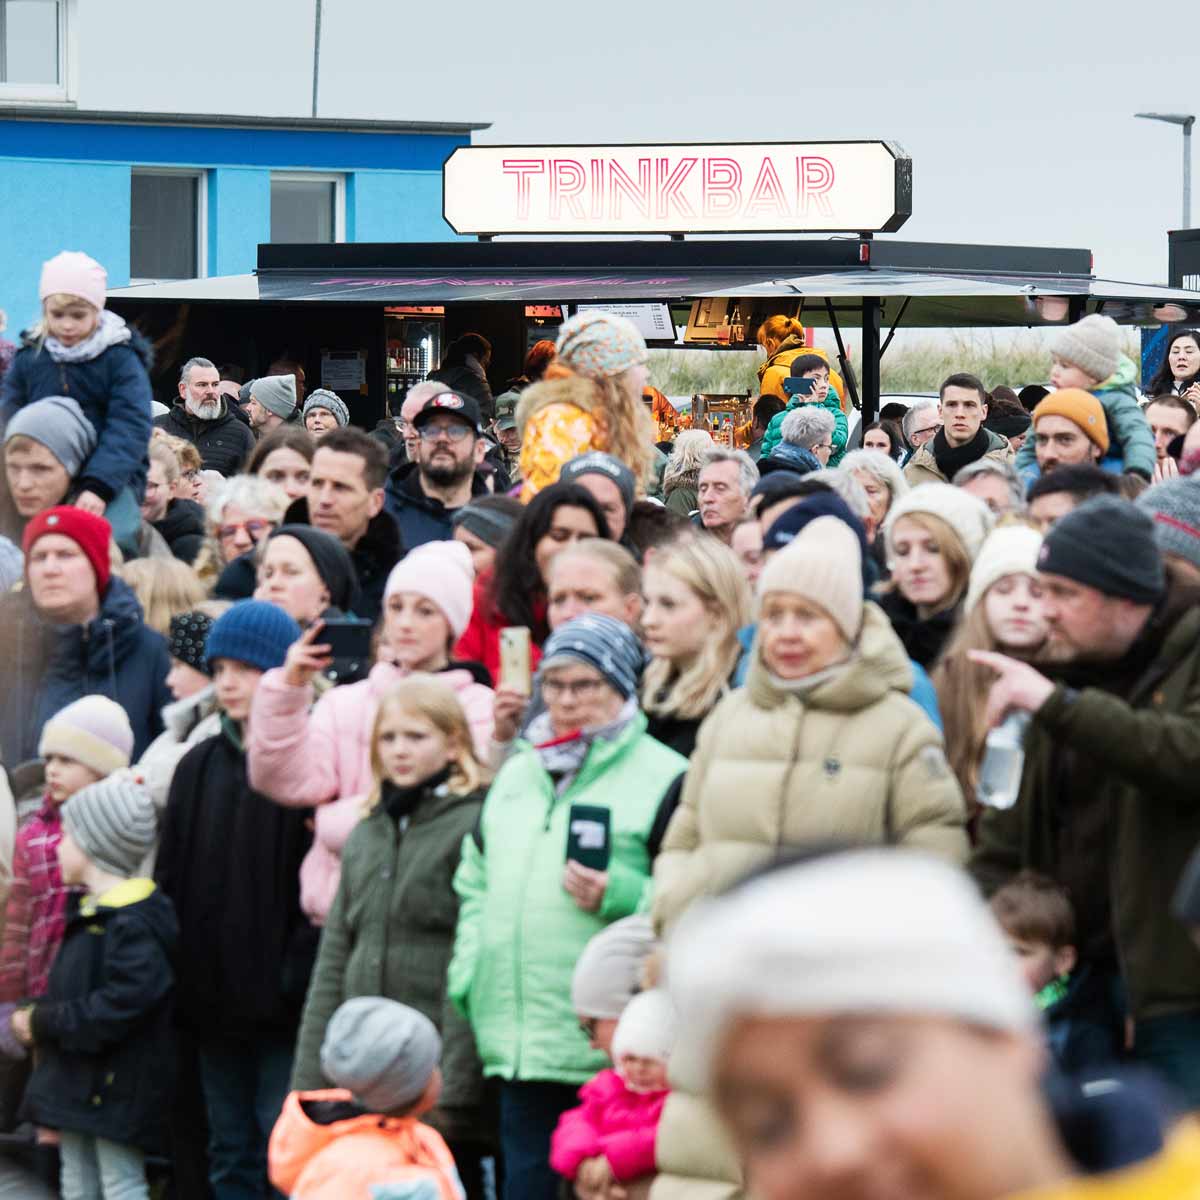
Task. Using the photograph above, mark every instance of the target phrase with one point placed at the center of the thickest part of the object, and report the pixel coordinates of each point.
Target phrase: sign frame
(902, 195)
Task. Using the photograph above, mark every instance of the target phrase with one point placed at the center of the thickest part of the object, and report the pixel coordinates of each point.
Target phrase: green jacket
(519, 932)
(390, 933)
(831, 405)
(1145, 752)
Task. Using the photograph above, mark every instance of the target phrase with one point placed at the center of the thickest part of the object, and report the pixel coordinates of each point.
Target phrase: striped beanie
(603, 643)
(92, 730)
(114, 823)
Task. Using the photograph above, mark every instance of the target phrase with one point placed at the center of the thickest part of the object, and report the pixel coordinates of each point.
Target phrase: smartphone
(588, 830)
(515, 670)
(799, 385)
(349, 642)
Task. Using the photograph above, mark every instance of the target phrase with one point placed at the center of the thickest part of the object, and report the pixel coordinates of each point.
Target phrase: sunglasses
(256, 529)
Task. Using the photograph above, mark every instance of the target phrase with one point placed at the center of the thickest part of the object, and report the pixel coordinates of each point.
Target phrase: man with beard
(1108, 805)
(424, 495)
(202, 417)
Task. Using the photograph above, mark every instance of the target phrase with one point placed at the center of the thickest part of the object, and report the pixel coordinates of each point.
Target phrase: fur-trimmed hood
(571, 389)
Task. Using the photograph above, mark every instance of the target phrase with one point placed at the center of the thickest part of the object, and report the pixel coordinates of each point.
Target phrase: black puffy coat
(103, 1032)
(224, 444)
(182, 528)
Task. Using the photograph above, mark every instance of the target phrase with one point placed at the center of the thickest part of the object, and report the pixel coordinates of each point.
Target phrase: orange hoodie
(343, 1159)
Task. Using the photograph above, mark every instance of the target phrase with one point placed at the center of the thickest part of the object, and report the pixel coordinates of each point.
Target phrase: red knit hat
(92, 534)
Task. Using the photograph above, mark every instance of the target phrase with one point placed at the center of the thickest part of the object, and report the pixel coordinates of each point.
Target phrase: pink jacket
(322, 759)
(612, 1121)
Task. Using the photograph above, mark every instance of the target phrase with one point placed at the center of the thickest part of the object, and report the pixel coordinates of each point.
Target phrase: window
(33, 49)
(308, 208)
(166, 225)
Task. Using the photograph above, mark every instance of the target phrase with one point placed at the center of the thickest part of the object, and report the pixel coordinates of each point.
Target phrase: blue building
(156, 196)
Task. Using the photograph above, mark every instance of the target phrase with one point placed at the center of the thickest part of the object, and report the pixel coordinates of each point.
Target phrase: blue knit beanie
(252, 632)
(601, 642)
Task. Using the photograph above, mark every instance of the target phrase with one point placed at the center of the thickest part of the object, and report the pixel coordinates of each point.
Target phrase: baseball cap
(506, 421)
(453, 404)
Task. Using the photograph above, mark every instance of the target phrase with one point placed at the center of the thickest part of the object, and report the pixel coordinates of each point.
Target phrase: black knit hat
(1008, 424)
(188, 633)
(332, 560)
(1107, 544)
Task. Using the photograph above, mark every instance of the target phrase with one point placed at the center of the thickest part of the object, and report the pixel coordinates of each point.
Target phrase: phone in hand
(589, 830)
(349, 642)
(799, 385)
(515, 669)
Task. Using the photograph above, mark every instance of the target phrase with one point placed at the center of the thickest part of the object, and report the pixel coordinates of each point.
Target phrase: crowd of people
(495, 803)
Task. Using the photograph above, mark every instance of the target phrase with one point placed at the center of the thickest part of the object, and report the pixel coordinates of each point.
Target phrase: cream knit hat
(823, 563)
(1009, 550)
(967, 515)
(1092, 344)
(92, 730)
(878, 930)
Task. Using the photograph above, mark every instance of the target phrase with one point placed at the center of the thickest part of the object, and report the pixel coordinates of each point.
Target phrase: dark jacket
(1128, 761)
(420, 517)
(377, 552)
(390, 933)
(48, 666)
(461, 378)
(182, 528)
(105, 1047)
(224, 443)
(238, 578)
(112, 389)
(229, 859)
(924, 637)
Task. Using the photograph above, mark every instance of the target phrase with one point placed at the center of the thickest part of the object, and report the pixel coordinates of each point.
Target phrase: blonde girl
(164, 588)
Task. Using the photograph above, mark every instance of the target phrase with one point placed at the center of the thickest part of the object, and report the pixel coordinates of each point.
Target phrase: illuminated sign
(792, 187)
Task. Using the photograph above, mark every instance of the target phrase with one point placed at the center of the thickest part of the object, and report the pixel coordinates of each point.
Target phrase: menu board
(652, 321)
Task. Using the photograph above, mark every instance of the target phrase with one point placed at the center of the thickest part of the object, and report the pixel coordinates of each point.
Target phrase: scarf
(562, 757)
(951, 459)
(401, 802)
(111, 331)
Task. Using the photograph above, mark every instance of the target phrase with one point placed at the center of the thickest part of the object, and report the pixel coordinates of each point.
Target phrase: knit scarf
(111, 331)
(563, 757)
(401, 802)
(951, 459)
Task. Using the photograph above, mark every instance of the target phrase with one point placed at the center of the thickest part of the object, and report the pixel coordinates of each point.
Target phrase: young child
(81, 350)
(102, 1033)
(363, 1138)
(810, 366)
(81, 744)
(1088, 355)
(610, 1136)
(1038, 919)
(229, 859)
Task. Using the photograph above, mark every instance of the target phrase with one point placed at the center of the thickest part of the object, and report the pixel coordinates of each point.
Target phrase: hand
(1165, 468)
(22, 1026)
(1192, 394)
(508, 709)
(1017, 685)
(585, 886)
(592, 1178)
(304, 660)
(90, 502)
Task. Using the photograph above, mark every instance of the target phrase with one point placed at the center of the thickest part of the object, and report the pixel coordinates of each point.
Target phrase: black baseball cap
(453, 404)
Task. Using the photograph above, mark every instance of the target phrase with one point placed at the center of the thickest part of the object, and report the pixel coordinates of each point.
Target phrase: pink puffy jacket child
(610, 1136)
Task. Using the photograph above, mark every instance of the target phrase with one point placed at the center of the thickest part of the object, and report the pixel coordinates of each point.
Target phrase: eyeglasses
(823, 446)
(454, 433)
(256, 530)
(190, 476)
(916, 433)
(577, 689)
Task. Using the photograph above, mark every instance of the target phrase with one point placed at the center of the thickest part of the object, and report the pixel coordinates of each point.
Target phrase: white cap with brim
(874, 931)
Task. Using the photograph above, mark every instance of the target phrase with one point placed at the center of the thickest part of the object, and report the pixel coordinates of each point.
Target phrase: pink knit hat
(441, 572)
(74, 274)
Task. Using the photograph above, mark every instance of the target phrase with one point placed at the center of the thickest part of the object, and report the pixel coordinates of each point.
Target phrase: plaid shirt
(37, 905)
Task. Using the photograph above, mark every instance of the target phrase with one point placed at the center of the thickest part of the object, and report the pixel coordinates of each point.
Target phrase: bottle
(737, 331)
(1003, 762)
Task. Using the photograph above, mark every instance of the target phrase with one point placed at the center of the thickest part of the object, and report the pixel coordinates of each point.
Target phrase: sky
(1017, 115)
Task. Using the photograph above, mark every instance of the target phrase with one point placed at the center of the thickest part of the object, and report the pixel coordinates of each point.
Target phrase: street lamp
(1186, 122)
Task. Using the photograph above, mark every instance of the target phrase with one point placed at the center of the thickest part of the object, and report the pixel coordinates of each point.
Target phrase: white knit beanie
(872, 931)
(1009, 550)
(92, 730)
(647, 1027)
(967, 515)
(1092, 344)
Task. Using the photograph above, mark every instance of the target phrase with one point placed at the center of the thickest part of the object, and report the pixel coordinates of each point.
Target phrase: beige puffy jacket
(854, 759)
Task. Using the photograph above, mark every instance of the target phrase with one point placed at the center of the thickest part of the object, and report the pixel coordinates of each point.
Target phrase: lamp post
(1186, 122)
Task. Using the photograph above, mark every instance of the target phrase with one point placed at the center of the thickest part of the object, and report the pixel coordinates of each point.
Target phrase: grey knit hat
(331, 402)
(608, 973)
(276, 393)
(58, 423)
(596, 462)
(1092, 344)
(604, 643)
(381, 1051)
(114, 823)
(1175, 507)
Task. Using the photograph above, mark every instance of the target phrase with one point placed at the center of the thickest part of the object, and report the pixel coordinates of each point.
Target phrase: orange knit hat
(1079, 406)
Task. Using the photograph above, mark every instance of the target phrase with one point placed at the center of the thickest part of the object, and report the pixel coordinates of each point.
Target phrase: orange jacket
(344, 1159)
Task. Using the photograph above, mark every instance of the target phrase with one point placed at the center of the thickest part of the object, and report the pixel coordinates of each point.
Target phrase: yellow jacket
(778, 367)
(557, 422)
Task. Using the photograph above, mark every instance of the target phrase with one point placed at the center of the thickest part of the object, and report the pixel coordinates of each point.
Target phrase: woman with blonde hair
(1002, 612)
(681, 476)
(164, 588)
(391, 929)
(589, 399)
(783, 339)
(695, 600)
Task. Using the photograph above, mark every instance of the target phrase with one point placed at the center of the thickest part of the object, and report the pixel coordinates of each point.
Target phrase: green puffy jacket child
(811, 366)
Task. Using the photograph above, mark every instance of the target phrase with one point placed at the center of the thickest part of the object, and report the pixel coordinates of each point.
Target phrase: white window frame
(339, 193)
(201, 178)
(65, 90)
